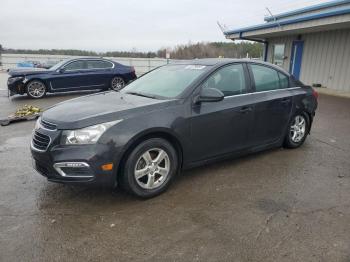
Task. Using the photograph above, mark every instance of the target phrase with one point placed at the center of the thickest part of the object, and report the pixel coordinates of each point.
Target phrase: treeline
(216, 49)
(188, 51)
(75, 52)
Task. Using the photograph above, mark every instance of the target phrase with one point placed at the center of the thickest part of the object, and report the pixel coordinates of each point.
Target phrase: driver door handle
(246, 109)
(285, 100)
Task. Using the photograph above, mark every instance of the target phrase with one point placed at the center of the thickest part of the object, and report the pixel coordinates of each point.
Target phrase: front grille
(40, 141)
(48, 125)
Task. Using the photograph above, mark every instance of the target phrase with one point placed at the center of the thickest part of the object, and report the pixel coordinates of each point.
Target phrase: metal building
(312, 43)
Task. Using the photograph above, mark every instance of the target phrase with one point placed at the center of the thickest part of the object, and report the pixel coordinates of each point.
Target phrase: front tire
(297, 131)
(150, 168)
(36, 89)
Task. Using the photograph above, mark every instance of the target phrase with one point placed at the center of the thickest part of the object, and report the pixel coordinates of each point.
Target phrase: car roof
(223, 61)
(88, 58)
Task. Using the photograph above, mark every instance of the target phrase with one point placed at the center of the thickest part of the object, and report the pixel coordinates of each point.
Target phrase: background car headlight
(37, 124)
(11, 80)
(87, 135)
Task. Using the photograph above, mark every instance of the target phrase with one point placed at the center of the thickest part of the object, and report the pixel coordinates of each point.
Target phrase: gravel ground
(278, 205)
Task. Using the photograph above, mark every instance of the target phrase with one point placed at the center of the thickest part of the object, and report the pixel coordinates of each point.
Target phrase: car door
(273, 104)
(98, 73)
(69, 77)
(223, 127)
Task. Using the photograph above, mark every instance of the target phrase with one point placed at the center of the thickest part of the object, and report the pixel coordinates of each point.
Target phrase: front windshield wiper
(141, 94)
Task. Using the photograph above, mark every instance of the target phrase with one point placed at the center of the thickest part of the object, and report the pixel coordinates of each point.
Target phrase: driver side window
(230, 80)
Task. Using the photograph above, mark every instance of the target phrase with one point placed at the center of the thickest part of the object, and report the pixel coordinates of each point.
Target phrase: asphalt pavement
(277, 205)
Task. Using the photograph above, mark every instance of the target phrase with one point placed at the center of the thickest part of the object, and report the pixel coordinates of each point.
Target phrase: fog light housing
(73, 169)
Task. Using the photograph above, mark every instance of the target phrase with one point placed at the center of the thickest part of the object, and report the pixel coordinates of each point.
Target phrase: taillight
(133, 69)
(315, 94)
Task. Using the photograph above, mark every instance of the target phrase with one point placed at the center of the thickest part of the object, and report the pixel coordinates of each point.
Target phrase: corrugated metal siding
(326, 59)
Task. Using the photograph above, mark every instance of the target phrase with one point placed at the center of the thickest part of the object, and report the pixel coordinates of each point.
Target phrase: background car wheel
(150, 168)
(36, 89)
(117, 83)
(298, 130)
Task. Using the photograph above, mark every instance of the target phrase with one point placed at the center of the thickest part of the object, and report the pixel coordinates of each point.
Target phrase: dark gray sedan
(175, 117)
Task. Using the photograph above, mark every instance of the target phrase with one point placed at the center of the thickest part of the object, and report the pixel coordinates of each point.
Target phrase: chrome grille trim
(60, 165)
(40, 142)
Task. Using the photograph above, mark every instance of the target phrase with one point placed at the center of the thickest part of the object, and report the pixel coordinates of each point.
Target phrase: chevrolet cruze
(175, 117)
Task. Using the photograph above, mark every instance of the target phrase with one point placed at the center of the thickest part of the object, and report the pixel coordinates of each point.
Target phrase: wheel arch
(164, 133)
(118, 74)
(36, 79)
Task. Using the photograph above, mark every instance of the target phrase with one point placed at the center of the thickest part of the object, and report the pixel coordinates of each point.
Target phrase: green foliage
(218, 49)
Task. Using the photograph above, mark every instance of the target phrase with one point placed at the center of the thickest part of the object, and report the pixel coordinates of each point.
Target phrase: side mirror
(62, 70)
(209, 95)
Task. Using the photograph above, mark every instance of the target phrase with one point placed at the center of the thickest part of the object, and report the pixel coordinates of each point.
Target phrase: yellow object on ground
(27, 110)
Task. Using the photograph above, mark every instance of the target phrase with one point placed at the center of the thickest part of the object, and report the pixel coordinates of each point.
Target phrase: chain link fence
(141, 65)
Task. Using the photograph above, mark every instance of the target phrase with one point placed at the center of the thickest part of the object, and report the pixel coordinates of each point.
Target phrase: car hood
(26, 71)
(99, 108)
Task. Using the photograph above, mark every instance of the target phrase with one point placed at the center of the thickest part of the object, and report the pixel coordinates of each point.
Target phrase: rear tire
(36, 89)
(149, 168)
(297, 130)
(117, 83)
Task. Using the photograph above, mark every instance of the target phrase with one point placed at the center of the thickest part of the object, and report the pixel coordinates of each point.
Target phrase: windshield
(165, 82)
(58, 65)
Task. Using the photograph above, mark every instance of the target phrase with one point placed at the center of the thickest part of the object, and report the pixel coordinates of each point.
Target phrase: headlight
(11, 80)
(87, 135)
(37, 124)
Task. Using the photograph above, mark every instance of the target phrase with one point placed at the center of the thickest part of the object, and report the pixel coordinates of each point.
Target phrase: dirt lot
(279, 205)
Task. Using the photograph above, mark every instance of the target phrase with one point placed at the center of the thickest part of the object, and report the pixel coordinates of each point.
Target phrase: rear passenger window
(98, 64)
(284, 80)
(265, 78)
(229, 80)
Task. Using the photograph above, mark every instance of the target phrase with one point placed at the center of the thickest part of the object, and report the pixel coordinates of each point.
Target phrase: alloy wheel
(36, 89)
(298, 128)
(152, 168)
(117, 83)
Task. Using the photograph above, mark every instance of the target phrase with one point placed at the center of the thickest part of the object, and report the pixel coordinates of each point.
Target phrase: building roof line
(340, 11)
(307, 9)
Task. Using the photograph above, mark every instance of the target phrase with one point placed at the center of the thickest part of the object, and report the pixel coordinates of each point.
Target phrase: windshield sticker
(195, 67)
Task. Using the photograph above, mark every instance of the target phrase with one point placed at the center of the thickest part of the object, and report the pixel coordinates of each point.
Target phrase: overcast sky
(147, 25)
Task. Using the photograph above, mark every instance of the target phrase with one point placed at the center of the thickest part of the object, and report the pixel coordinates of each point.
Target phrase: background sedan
(71, 75)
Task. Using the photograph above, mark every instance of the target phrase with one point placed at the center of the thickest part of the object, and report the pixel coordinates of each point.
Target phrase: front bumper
(17, 87)
(75, 163)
